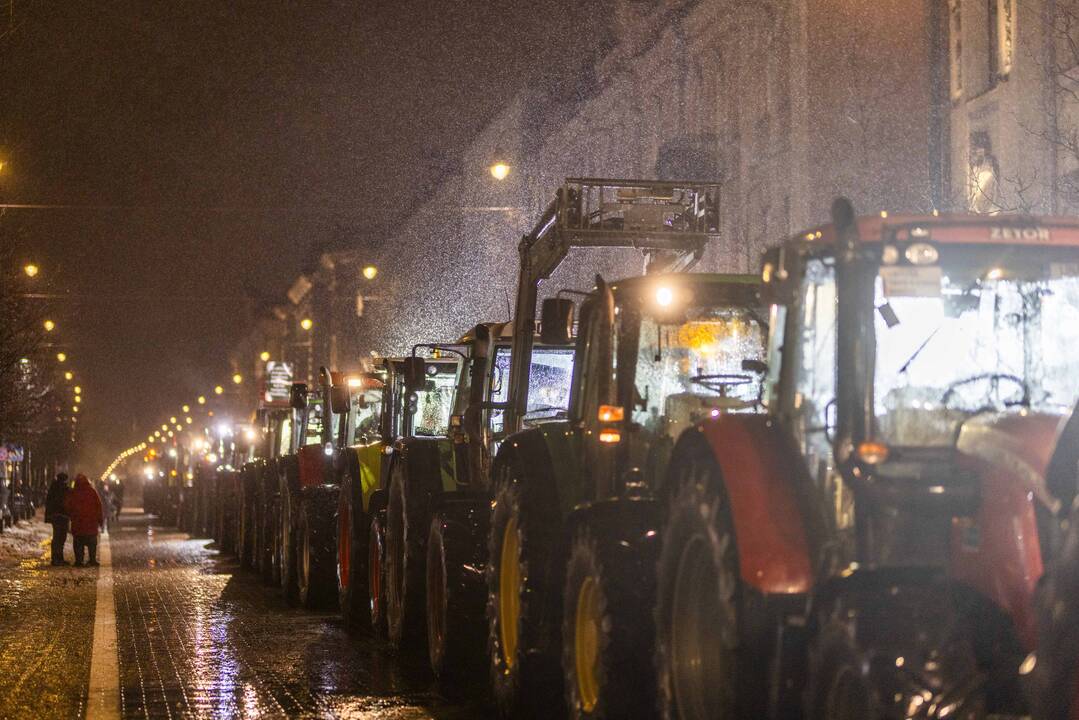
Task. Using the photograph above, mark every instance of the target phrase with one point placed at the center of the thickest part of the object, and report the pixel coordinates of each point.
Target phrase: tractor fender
(422, 459)
(365, 469)
(631, 523)
(778, 518)
(531, 453)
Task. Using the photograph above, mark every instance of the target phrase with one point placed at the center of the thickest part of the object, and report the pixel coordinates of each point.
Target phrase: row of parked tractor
(835, 489)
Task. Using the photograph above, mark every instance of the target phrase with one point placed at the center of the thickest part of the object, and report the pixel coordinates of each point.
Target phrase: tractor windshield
(434, 402)
(548, 383)
(963, 337)
(366, 414)
(691, 369)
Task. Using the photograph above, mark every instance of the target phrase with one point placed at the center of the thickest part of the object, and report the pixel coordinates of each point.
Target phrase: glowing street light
(157, 433)
(164, 428)
(61, 357)
(237, 378)
(74, 408)
(202, 399)
(188, 419)
(370, 271)
(172, 419)
(307, 323)
(218, 390)
(49, 325)
(500, 171)
(186, 408)
(69, 375)
(31, 269)
(264, 356)
(78, 399)
(78, 390)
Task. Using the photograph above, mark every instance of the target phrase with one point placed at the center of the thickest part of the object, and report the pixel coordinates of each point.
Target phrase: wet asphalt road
(196, 637)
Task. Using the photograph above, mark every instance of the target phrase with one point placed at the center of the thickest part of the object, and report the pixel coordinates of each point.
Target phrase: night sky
(207, 149)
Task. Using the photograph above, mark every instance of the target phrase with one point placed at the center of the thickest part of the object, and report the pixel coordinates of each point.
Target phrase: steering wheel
(995, 377)
(721, 382)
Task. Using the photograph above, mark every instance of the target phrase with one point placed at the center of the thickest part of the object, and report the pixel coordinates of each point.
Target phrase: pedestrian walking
(84, 507)
(56, 515)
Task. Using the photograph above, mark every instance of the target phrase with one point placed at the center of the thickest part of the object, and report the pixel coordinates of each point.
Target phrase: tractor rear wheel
(608, 636)
(522, 640)
(245, 542)
(286, 537)
(706, 668)
(456, 590)
(890, 650)
(317, 579)
(376, 573)
(407, 525)
(353, 528)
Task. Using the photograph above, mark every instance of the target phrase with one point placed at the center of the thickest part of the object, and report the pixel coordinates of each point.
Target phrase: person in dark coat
(84, 507)
(56, 514)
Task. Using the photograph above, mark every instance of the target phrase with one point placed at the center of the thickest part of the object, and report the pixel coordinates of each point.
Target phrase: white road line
(103, 702)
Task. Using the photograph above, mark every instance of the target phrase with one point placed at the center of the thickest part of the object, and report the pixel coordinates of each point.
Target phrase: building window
(955, 44)
(982, 178)
(1005, 37)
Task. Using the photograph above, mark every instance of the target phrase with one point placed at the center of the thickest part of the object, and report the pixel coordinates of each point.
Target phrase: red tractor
(871, 546)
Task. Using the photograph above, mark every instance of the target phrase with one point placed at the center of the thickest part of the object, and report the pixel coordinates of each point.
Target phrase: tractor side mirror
(556, 322)
(297, 396)
(755, 366)
(339, 399)
(415, 373)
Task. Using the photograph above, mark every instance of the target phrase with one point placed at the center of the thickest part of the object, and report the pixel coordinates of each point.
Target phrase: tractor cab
(922, 366)
(655, 356)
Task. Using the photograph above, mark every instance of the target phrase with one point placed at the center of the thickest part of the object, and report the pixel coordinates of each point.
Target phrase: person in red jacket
(84, 508)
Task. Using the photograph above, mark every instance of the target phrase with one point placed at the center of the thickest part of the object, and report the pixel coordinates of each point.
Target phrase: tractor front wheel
(376, 573)
(887, 650)
(456, 591)
(522, 642)
(608, 636)
(352, 533)
(705, 667)
(317, 577)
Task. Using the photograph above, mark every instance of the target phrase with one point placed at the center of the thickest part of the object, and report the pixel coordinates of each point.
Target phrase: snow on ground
(25, 540)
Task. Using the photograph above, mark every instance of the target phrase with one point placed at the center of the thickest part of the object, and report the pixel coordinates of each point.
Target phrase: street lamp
(307, 323)
(370, 271)
(186, 408)
(49, 325)
(237, 378)
(78, 390)
(30, 269)
(264, 356)
(61, 357)
(69, 375)
(202, 399)
(172, 419)
(218, 390)
(500, 171)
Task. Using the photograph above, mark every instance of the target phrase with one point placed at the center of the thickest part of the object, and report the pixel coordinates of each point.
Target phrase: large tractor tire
(316, 559)
(524, 579)
(408, 521)
(608, 637)
(885, 650)
(376, 572)
(268, 566)
(353, 528)
(456, 588)
(286, 532)
(248, 540)
(708, 666)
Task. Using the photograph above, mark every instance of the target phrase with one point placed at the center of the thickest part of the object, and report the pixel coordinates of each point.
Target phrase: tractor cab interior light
(355, 382)
(611, 413)
(872, 453)
(664, 296)
(610, 437)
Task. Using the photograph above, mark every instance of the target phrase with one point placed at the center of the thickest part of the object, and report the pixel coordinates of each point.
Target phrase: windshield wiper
(918, 351)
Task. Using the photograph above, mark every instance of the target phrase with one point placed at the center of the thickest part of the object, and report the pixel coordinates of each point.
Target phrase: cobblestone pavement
(196, 638)
(46, 628)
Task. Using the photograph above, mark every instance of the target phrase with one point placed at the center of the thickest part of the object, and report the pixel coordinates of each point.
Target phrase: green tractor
(578, 502)
(440, 494)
